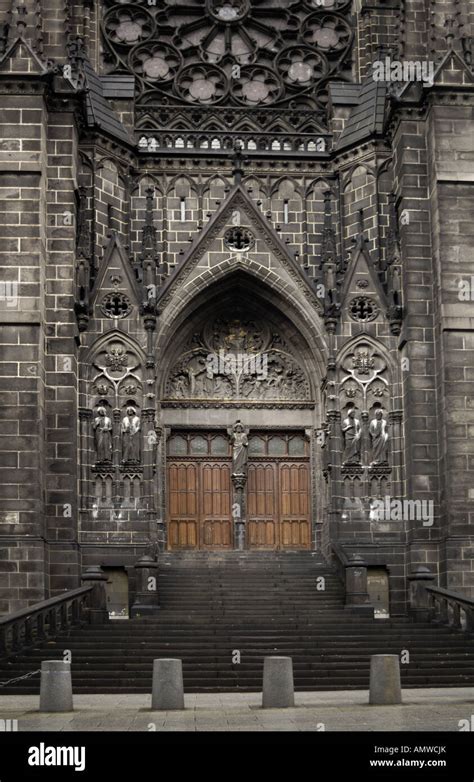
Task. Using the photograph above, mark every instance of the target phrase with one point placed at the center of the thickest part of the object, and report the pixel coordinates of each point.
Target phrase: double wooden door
(200, 492)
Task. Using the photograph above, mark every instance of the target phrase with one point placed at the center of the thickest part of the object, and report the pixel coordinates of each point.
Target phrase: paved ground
(422, 710)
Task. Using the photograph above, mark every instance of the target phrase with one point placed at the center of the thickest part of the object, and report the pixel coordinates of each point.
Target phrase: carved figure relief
(237, 358)
(379, 438)
(102, 426)
(130, 429)
(352, 433)
(239, 440)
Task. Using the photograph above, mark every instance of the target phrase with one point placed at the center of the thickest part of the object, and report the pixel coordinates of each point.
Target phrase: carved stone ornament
(188, 51)
(364, 377)
(363, 309)
(237, 358)
(116, 305)
(102, 426)
(130, 430)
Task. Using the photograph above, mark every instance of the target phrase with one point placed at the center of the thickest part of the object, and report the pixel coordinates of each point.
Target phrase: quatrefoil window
(116, 305)
(239, 239)
(363, 309)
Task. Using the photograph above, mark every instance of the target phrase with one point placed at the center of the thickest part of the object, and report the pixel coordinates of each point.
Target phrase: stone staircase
(222, 613)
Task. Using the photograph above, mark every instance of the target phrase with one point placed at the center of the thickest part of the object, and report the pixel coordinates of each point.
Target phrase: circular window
(116, 305)
(239, 239)
(363, 309)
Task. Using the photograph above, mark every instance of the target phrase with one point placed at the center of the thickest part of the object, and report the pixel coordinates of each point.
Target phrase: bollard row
(278, 690)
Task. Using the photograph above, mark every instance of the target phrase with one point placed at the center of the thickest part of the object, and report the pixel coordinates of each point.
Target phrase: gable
(239, 237)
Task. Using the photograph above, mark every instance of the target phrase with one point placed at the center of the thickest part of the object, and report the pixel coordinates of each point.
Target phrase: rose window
(116, 305)
(301, 65)
(156, 62)
(329, 33)
(245, 53)
(239, 239)
(363, 309)
(256, 86)
(128, 26)
(229, 10)
(201, 85)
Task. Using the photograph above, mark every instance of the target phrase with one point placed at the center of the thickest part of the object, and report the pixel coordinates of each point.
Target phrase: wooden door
(278, 506)
(199, 492)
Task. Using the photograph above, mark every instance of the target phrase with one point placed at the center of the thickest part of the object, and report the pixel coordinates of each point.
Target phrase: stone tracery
(252, 54)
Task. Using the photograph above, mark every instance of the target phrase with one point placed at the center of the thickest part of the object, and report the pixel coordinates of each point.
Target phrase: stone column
(357, 597)
(419, 599)
(146, 601)
(95, 576)
(238, 511)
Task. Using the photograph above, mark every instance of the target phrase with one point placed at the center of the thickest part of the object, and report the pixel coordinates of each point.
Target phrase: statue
(240, 443)
(103, 435)
(352, 432)
(379, 438)
(131, 436)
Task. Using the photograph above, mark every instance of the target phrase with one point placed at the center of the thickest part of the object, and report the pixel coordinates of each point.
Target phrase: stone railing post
(357, 597)
(419, 598)
(98, 613)
(146, 598)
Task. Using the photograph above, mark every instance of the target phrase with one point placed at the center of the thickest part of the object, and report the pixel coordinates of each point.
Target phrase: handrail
(450, 608)
(46, 619)
(468, 601)
(44, 604)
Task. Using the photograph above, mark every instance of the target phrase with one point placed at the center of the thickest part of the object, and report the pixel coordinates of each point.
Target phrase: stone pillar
(357, 597)
(419, 598)
(98, 613)
(56, 686)
(385, 687)
(239, 517)
(167, 688)
(146, 601)
(278, 688)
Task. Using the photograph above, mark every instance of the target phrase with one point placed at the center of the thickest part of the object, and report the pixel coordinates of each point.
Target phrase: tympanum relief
(237, 358)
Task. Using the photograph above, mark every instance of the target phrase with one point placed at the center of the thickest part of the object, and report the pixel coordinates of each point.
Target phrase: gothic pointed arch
(239, 315)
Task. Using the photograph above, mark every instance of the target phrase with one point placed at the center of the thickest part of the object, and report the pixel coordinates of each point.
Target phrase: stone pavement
(422, 710)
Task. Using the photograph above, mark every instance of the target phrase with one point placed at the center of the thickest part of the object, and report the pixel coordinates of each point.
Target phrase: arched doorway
(237, 357)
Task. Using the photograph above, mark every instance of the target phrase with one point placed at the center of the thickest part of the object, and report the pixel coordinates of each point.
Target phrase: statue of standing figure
(240, 443)
(352, 432)
(379, 438)
(131, 436)
(103, 436)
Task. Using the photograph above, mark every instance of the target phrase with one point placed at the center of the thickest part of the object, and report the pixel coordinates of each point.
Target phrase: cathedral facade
(237, 292)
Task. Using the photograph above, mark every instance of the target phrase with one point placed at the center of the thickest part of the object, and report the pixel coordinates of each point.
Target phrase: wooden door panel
(261, 504)
(295, 534)
(199, 505)
(262, 534)
(295, 525)
(216, 525)
(183, 505)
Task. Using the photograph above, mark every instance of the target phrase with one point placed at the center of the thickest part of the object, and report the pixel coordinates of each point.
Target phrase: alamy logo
(57, 756)
(223, 363)
(388, 509)
(408, 70)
